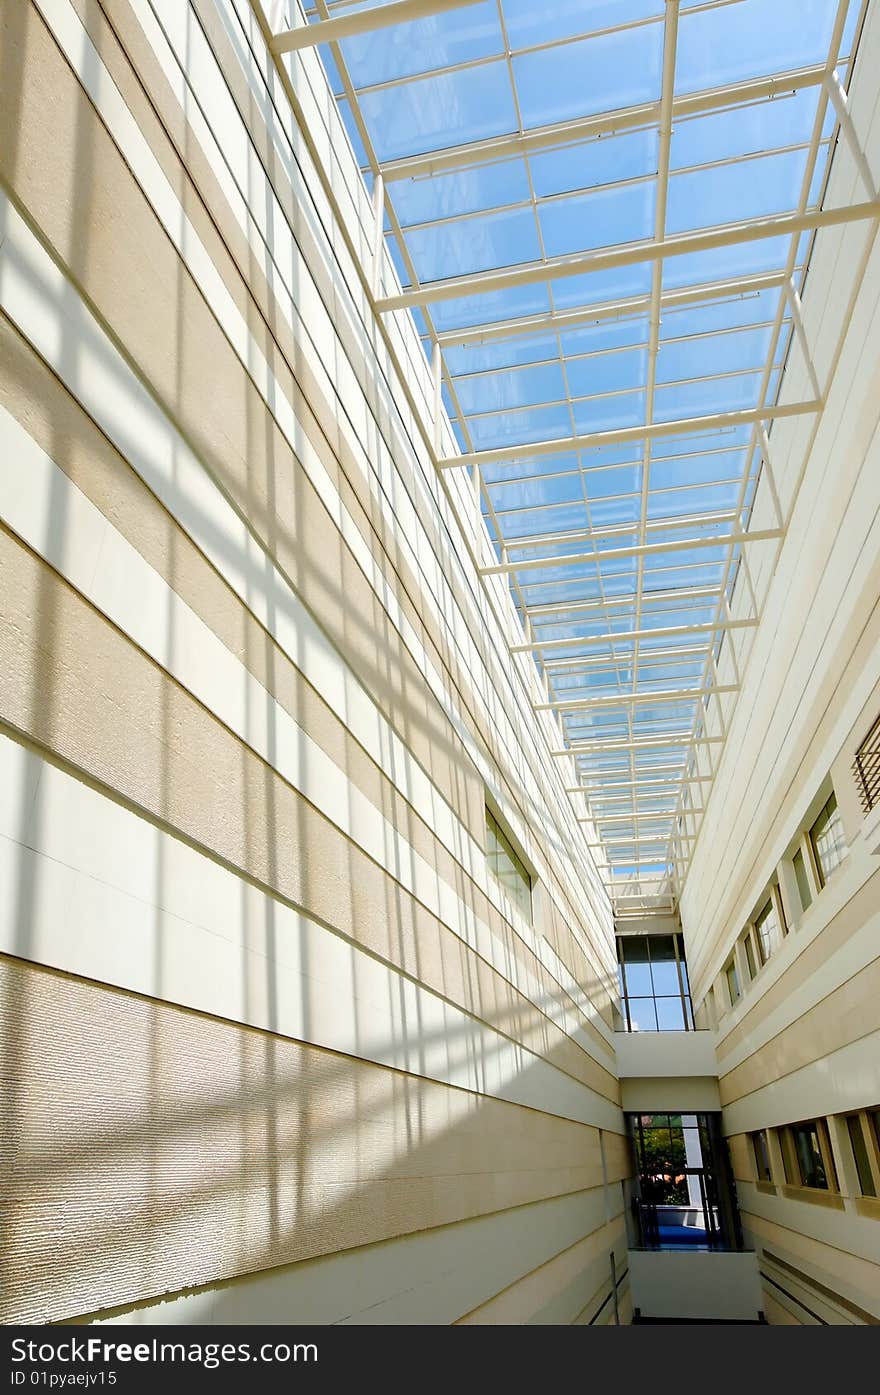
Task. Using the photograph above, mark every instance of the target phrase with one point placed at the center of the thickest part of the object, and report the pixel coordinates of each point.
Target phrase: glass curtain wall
(654, 991)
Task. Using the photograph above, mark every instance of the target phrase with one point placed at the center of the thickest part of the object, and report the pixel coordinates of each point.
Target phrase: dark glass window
(860, 1153)
(732, 977)
(762, 1156)
(750, 955)
(803, 881)
(812, 1171)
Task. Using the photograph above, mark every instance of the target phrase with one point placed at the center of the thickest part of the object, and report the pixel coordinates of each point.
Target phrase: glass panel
(803, 884)
(593, 75)
(828, 841)
(750, 956)
(642, 1015)
(762, 1156)
(860, 1153)
(732, 977)
(732, 43)
(767, 931)
(447, 109)
(663, 969)
(506, 867)
(809, 1155)
(670, 1015)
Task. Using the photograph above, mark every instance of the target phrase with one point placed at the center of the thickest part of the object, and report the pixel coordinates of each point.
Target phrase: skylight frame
(734, 567)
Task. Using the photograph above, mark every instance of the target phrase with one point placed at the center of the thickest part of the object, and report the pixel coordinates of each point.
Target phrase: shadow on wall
(154, 1146)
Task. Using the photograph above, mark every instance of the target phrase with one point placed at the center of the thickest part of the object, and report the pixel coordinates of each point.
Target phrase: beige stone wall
(274, 1046)
(803, 1042)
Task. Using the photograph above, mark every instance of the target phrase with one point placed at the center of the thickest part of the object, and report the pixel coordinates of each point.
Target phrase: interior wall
(804, 1039)
(275, 1045)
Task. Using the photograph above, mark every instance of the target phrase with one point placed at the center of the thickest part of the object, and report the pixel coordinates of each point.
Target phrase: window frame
(495, 827)
(823, 877)
(794, 1171)
(867, 1123)
(730, 969)
(767, 1165)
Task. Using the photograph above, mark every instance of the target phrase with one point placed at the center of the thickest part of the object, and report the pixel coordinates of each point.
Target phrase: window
(769, 929)
(810, 1163)
(746, 943)
(653, 983)
(826, 837)
(800, 875)
(761, 1149)
(506, 868)
(859, 1145)
(733, 990)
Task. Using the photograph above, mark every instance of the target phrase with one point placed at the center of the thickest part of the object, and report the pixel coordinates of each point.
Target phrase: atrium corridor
(439, 662)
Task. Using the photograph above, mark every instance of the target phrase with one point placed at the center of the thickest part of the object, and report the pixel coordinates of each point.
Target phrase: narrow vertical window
(859, 1146)
(800, 876)
(826, 836)
(506, 868)
(732, 977)
(761, 1149)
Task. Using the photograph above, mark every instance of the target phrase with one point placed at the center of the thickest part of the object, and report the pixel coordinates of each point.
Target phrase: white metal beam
(329, 31)
(542, 609)
(617, 530)
(710, 627)
(648, 786)
(561, 134)
(612, 554)
(593, 440)
(644, 816)
(645, 743)
(629, 254)
(633, 699)
(671, 655)
(561, 320)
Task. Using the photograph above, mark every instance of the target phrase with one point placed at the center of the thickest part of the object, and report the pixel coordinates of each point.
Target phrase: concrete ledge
(670, 1094)
(646, 1054)
(724, 1286)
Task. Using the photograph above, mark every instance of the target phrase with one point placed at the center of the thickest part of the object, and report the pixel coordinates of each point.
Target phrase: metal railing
(866, 769)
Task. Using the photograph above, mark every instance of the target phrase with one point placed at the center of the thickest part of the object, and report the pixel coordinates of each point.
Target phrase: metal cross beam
(328, 31)
(624, 635)
(612, 554)
(593, 440)
(630, 254)
(561, 134)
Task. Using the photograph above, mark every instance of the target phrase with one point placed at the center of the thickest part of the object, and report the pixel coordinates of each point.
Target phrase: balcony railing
(866, 769)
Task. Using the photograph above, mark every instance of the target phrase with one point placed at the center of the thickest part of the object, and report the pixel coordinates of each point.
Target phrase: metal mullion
(611, 392)
(616, 530)
(580, 663)
(520, 509)
(386, 202)
(617, 349)
(617, 255)
(586, 190)
(560, 135)
(332, 28)
(615, 311)
(551, 582)
(486, 60)
(542, 608)
(506, 480)
(483, 488)
(620, 498)
(809, 170)
(685, 427)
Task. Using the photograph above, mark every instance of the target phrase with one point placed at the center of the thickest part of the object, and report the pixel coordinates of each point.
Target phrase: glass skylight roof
(510, 135)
